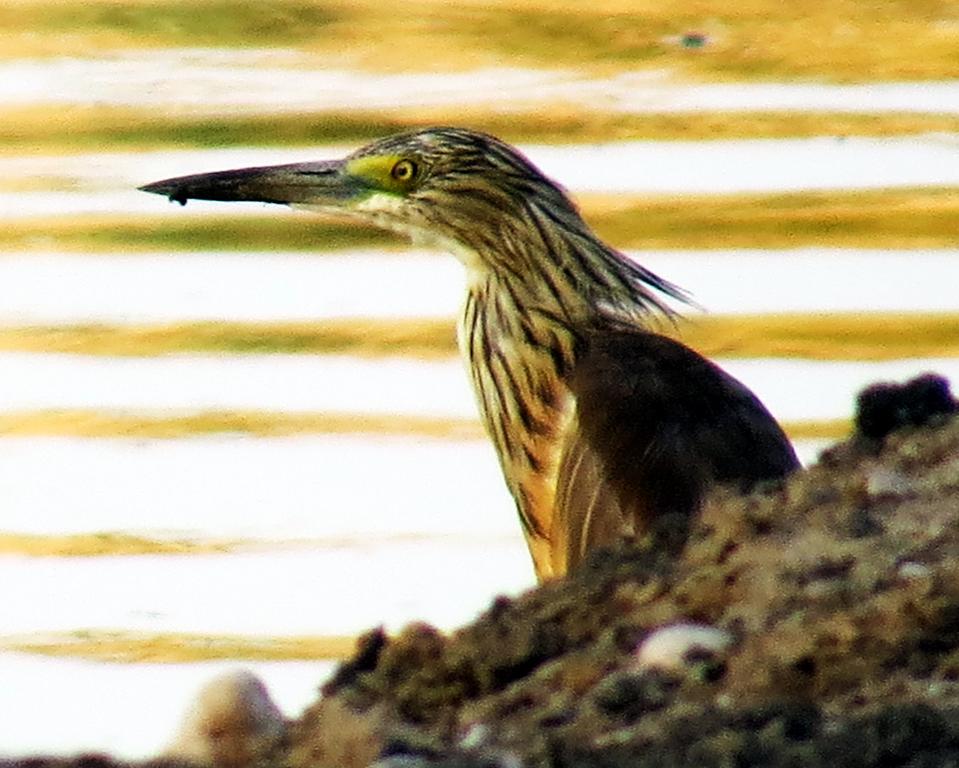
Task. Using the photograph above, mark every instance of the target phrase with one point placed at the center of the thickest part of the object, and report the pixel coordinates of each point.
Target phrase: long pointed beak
(322, 183)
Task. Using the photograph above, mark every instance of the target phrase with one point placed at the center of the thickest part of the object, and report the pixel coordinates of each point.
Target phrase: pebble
(232, 723)
(671, 647)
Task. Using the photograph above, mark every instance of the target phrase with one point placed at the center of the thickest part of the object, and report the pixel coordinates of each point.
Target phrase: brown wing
(655, 425)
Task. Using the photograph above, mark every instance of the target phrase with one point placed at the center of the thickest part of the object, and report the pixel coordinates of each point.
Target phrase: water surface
(389, 528)
(62, 288)
(212, 81)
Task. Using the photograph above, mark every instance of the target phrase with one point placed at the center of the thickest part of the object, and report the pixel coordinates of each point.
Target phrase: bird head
(465, 192)
(444, 186)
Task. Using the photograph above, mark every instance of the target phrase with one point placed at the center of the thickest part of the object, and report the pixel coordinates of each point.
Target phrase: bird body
(602, 427)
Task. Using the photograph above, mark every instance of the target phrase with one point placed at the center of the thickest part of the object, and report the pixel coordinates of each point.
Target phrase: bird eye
(404, 170)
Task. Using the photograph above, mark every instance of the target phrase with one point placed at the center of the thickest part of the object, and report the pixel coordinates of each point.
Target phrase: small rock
(674, 646)
(492, 759)
(883, 482)
(627, 696)
(694, 40)
(232, 723)
(476, 736)
(915, 572)
(690, 40)
(885, 407)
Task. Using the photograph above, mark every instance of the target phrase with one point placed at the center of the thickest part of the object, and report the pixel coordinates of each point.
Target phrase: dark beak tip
(277, 184)
(156, 188)
(170, 191)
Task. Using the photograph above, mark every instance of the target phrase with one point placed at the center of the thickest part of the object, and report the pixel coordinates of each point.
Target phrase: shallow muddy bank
(838, 590)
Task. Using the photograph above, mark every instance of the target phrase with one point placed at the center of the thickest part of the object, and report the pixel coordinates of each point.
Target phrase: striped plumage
(602, 427)
(536, 282)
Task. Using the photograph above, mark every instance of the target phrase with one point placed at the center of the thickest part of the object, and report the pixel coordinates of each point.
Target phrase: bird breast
(518, 376)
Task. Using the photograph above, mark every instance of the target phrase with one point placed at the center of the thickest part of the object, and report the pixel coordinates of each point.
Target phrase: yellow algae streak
(922, 217)
(828, 336)
(828, 429)
(90, 423)
(97, 424)
(100, 544)
(103, 234)
(177, 648)
(420, 338)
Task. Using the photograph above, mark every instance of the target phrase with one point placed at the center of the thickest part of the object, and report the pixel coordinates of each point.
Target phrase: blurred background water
(206, 531)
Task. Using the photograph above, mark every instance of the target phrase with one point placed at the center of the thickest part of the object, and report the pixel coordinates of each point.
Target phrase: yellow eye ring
(404, 170)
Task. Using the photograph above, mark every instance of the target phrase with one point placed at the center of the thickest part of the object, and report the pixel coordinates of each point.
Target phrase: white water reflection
(212, 81)
(66, 706)
(282, 383)
(638, 92)
(129, 288)
(58, 288)
(321, 591)
(813, 280)
(314, 488)
(341, 489)
(753, 165)
(106, 183)
(215, 81)
(792, 389)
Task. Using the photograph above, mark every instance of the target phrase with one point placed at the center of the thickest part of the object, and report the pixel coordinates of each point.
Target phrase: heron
(607, 428)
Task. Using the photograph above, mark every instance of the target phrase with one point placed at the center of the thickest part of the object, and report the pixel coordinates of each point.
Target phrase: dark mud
(840, 589)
